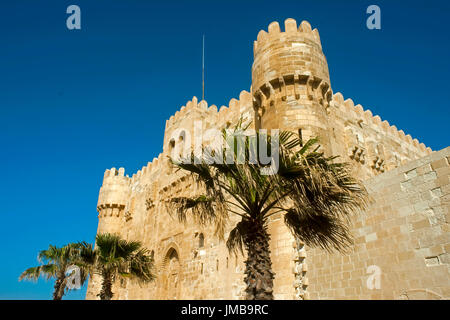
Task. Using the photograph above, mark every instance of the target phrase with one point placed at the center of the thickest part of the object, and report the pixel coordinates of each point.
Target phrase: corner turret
(112, 200)
(290, 80)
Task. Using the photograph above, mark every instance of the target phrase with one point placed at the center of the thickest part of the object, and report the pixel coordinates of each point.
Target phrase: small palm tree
(56, 261)
(315, 194)
(116, 257)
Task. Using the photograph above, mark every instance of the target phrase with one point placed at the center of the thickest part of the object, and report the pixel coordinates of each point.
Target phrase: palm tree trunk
(58, 290)
(106, 292)
(258, 266)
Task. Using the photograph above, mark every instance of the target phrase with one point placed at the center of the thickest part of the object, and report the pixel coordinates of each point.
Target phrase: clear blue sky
(74, 103)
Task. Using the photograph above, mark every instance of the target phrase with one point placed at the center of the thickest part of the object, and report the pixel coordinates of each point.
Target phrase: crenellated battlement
(274, 34)
(113, 176)
(290, 63)
(212, 113)
(150, 168)
(360, 115)
(114, 192)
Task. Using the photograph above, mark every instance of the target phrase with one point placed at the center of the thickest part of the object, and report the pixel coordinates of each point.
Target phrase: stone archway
(171, 276)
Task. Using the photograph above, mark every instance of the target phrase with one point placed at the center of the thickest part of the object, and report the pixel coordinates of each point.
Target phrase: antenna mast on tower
(203, 69)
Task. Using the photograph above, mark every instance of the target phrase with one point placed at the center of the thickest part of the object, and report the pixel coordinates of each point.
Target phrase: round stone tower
(112, 200)
(290, 81)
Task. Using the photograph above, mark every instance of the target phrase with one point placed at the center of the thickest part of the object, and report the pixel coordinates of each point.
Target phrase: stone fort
(402, 240)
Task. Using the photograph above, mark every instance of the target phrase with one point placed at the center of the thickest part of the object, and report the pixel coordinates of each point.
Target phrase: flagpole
(203, 69)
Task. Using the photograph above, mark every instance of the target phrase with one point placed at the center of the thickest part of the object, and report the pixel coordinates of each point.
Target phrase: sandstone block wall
(405, 232)
(370, 144)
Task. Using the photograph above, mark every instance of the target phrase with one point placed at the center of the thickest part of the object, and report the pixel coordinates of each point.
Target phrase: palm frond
(235, 241)
(141, 266)
(47, 271)
(32, 273)
(315, 230)
(117, 256)
(204, 209)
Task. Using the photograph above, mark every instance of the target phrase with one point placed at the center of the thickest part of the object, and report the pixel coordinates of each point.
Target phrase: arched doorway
(171, 276)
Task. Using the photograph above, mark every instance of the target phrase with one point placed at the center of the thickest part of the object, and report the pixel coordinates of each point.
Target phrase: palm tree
(56, 261)
(315, 194)
(116, 257)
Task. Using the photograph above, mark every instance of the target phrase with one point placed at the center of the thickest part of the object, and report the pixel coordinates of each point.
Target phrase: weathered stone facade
(404, 232)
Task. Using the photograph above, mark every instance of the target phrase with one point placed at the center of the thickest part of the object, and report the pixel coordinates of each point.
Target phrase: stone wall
(372, 145)
(134, 208)
(405, 232)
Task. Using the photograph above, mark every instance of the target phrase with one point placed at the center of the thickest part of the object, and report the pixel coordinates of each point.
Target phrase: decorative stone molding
(300, 268)
(357, 153)
(378, 164)
(149, 204)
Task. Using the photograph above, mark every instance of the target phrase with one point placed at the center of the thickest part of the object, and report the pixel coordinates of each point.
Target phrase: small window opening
(171, 144)
(300, 136)
(201, 240)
